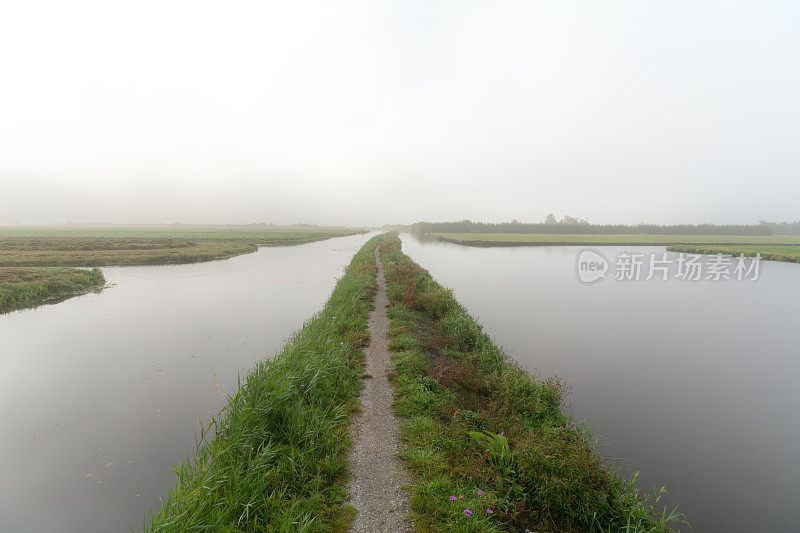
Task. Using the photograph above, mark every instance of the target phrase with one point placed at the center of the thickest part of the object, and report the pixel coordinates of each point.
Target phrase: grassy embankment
(25, 250)
(631, 239)
(29, 287)
(489, 444)
(275, 458)
(790, 254)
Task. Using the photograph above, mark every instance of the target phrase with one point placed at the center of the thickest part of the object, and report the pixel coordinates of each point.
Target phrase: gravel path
(376, 474)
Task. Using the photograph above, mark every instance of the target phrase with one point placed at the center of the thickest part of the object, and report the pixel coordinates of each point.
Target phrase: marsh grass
(275, 458)
(30, 287)
(489, 443)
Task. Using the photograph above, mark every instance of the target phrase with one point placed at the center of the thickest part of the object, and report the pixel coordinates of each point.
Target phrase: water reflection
(693, 383)
(100, 394)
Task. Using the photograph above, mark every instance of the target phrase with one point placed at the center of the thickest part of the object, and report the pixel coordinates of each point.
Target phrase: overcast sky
(377, 112)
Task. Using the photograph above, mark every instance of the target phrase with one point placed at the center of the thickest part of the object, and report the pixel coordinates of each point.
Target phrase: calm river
(100, 395)
(694, 383)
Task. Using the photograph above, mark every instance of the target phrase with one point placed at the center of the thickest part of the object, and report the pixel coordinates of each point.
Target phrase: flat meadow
(37, 262)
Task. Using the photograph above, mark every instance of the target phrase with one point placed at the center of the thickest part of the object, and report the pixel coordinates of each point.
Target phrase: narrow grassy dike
(275, 458)
(489, 444)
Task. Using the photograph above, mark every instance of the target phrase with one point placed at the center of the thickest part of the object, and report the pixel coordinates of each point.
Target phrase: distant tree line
(783, 228)
(573, 225)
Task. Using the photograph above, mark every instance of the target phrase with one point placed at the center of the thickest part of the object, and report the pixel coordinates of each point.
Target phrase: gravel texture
(377, 476)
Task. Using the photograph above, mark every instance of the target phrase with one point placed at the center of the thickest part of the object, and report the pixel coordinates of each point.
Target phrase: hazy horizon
(368, 113)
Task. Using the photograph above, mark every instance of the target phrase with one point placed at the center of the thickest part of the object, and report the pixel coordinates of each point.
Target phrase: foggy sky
(392, 112)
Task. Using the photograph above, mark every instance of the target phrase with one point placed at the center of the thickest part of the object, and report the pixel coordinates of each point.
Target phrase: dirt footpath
(376, 474)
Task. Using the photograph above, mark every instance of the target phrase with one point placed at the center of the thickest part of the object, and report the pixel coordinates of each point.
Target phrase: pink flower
(467, 512)
(489, 511)
(480, 493)
(453, 498)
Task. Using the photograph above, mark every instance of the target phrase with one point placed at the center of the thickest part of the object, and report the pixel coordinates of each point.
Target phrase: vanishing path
(376, 474)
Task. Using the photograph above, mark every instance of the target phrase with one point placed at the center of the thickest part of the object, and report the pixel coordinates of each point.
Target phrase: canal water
(693, 383)
(100, 395)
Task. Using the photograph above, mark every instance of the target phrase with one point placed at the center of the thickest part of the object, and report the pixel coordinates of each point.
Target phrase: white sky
(383, 112)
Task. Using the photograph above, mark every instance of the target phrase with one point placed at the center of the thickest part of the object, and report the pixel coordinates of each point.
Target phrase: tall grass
(489, 443)
(275, 457)
(29, 287)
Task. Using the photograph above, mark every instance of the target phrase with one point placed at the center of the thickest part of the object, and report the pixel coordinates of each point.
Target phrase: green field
(29, 287)
(790, 254)
(574, 239)
(258, 234)
(145, 245)
(29, 250)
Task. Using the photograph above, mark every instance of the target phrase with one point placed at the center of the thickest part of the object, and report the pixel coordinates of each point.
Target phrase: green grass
(28, 287)
(275, 457)
(554, 239)
(145, 245)
(482, 434)
(789, 254)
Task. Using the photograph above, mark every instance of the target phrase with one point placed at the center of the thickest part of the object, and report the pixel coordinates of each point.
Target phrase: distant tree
(782, 228)
(550, 220)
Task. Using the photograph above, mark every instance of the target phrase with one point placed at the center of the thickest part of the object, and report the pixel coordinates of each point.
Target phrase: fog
(391, 112)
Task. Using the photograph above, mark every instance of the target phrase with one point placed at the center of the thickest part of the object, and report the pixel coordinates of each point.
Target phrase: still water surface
(100, 395)
(695, 384)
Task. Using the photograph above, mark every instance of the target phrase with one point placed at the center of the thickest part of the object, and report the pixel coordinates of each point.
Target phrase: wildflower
(453, 498)
(467, 512)
(480, 493)
(489, 511)
(302, 385)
